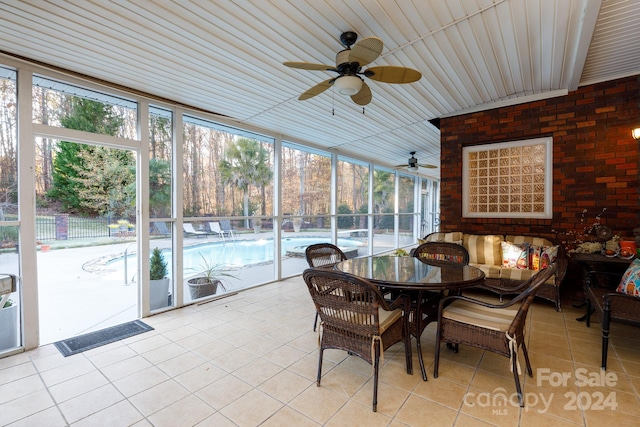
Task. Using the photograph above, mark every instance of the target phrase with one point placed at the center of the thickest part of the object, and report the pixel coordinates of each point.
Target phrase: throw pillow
(515, 256)
(630, 283)
(548, 255)
(535, 252)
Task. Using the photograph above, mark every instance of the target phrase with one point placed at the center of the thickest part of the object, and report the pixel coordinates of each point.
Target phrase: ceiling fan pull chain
(362, 110)
(333, 101)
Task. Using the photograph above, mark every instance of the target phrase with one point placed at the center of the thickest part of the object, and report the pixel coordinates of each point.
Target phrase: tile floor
(251, 360)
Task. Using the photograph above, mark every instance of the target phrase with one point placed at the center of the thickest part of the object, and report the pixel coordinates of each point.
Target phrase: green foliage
(107, 185)
(213, 271)
(383, 189)
(345, 222)
(91, 179)
(65, 188)
(159, 188)
(245, 165)
(8, 234)
(158, 266)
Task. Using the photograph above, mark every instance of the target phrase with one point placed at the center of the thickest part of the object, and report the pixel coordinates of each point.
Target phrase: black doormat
(102, 337)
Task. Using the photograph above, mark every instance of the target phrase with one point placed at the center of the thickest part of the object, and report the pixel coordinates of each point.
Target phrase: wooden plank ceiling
(226, 57)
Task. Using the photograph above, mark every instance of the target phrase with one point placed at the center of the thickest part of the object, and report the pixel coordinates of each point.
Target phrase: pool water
(240, 253)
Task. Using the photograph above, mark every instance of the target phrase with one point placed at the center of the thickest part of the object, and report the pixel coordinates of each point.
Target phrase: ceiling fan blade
(317, 89)
(427, 166)
(392, 74)
(310, 66)
(364, 96)
(366, 51)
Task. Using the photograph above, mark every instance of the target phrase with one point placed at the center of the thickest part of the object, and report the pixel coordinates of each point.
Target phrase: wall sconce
(636, 134)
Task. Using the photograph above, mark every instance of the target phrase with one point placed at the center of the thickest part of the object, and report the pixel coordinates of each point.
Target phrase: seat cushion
(387, 318)
(490, 271)
(478, 315)
(522, 275)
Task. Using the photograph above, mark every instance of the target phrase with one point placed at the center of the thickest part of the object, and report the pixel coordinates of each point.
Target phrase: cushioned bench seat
(488, 252)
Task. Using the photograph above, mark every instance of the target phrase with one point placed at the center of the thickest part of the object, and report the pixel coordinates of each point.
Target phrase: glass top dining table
(412, 274)
(417, 279)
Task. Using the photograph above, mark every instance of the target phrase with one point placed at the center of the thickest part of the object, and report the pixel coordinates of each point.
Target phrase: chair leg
(588, 313)
(376, 368)
(407, 345)
(436, 360)
(514, 367)
(606, 321)
(315, 322)
(319, 366)
(526, 359)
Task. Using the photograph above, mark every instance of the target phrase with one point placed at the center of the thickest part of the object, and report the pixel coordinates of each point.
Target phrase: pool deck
(74, 299)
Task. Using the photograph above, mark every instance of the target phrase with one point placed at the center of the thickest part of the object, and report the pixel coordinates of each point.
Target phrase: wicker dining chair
(356, 318)
(442, 253)
(498, 328)
(323, 255)
(436, 253)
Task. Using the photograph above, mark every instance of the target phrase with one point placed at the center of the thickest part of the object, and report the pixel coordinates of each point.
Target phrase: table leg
(424, 313)
(418, 332)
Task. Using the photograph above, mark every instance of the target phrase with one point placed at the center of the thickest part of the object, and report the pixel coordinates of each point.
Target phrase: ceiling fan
(349, 63)
(413, 165)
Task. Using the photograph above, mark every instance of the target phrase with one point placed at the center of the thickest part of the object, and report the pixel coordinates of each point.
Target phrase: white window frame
(547, 211)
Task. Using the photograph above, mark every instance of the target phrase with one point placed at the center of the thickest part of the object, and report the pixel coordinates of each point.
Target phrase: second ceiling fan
(413, 165)
(349, 63)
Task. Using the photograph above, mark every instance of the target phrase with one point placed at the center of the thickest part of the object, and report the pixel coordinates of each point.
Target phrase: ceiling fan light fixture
(348, 85)
(412, 168)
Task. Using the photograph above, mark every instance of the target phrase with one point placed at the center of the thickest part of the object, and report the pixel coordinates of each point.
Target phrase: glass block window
(508, 179)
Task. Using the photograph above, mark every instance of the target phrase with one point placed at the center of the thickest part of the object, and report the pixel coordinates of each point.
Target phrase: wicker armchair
(610, 306)
(356, 318)
(323, 255)
(498, 328)
(436, 253)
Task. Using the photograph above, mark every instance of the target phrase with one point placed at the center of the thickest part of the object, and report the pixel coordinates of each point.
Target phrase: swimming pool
(240, 253)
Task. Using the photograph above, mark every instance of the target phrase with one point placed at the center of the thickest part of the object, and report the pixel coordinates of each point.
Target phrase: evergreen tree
(73, 166)
(246, 164)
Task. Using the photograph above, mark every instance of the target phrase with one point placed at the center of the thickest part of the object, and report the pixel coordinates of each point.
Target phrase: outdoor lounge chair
(214, 227)
(225, 224)
(190, 231)
(161, 228)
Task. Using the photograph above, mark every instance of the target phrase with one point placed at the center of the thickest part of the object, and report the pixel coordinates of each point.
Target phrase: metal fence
(66, 227)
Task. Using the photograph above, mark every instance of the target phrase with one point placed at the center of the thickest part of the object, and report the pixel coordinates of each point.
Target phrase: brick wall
(595, 159)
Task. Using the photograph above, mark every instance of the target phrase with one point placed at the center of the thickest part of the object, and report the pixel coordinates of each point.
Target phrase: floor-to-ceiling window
(10, 298)
(208, 195)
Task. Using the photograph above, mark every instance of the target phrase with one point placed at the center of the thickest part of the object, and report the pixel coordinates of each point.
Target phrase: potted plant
(159, 283)
(8, 315)
(210, 275)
